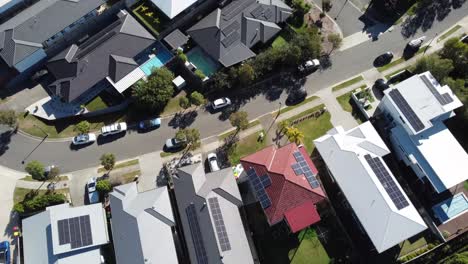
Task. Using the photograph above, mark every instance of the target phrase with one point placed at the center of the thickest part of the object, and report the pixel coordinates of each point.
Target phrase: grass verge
(19, 194)
(227, 134)
(347, 83)
(448, 33)
(96, 104)
(129, 176)
(346, 103)
(29, 178)
(121, 165)
(172, 106)
(246, 146)
(289, 108)
(310, 249)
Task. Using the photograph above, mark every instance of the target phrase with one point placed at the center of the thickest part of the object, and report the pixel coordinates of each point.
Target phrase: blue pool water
(451, 207)
(162, 56)
(203, 61)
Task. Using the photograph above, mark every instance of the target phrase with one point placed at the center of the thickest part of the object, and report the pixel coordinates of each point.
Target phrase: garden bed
(150, 16)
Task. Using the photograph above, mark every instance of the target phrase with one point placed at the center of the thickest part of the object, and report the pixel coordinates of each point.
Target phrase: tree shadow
(5, 139)
(183, 119)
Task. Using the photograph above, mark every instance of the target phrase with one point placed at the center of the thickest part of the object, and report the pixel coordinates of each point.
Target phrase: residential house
(104, 60)
(416, 110)
(228, 34)
(354, 161)
(142, 225)
(285, 183)
(26, 37)
(208, 206)
(65, 234)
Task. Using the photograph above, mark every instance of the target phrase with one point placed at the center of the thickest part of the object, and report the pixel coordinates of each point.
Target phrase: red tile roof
(287, 190)
(302, 216)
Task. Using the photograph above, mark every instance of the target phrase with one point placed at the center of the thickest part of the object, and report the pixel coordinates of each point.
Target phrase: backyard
(310, 249)
(246, 146)
(150, 16)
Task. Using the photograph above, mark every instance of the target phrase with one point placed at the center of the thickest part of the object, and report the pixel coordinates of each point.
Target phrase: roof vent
(122, 13)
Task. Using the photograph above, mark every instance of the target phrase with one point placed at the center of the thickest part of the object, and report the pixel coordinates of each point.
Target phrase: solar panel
(196, 233)
(257, 12)
(229, 40)
(266, 181)
(259, 189)
(387, 182)
(232, 27)
(219, 224)
(302, 168)
(406, 110)
(442, 98)
(75, 231)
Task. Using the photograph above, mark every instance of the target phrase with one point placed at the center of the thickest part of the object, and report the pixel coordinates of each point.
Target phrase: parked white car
(309, 65)
(113, 129)
(84, 139)
(213, 162)
(220, 103)
(93, 194)
(416, 43)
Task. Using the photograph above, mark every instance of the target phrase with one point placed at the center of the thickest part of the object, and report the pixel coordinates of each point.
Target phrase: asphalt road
(344, 65)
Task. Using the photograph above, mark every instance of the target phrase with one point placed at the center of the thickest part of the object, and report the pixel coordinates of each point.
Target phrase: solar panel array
(259, 189)
(200, 251)
(231, 27)
(387, 182)
(229, 40)
(266, 181)
(75, 231)
(219, 224)
(410, 115)
(301, 167)
(442, 98)
(257, 12)
(235, 8)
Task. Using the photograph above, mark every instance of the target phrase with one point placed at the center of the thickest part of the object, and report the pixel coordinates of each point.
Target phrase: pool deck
(458, 224)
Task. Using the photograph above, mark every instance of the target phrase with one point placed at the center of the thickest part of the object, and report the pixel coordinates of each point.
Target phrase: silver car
(84, 139)
(220, 103)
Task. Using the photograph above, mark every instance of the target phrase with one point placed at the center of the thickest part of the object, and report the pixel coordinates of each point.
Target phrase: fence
(315, 114)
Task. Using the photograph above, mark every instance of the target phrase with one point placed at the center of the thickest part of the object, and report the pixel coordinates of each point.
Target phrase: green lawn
(407, 247)
(96, 104)
(448, 33)
(346, 103)
(278, 42)
(121, 165)
(347, 83)
(289, 108)
(20, 193)
(246, 146)
(172, 107)
(313, 128)
(310, 249)
(227, 134)
(29, 178)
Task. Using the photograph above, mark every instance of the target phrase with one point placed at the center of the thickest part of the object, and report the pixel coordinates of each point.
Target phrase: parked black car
(296, 96)
(383, 59)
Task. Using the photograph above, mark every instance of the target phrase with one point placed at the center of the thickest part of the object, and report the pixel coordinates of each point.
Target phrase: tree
(291, 54)
(457, 52)
(36, 170)
(82, 127)
(191, 137)
(294, 135)
(200, 74)
(308, 40)
(197, 98)
(335, 40)
(154, 93)
(300, 7)
(8, 117)
(54, 172)
(440, 68)
(108, 161)
(103, 186)
(246, 74)
(221, 80)
(239, 120)
(184, 102)
(283, 125)
(326, 5)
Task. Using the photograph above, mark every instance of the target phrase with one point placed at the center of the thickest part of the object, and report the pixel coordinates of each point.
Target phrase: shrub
(326, 5)
(36, 170)
(103, 186)
(107, 161)
(200, 74)
(19, 208)
(83, 127)
(181, 55)
(197, 98)
(322, 15)
(8, 117)
(39, 203)
(184, 102)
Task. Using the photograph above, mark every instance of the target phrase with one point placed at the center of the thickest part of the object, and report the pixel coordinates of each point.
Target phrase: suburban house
(228, 34)
(208, 207)
(26, 38)
(65, 234)
(117, 56)
(416, 110)
(142, 225)
(285, 183)
(354, 161)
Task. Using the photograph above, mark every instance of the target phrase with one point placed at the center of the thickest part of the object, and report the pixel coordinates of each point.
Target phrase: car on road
(381, 85)
(416, 43)
(84, 139)
(114, 129)
(221, 103)
(174, 143)
(93, 194)
(149, 124)
(5, 252)
(309, 65)
(383, 59)
(296, 96)
(213, 162)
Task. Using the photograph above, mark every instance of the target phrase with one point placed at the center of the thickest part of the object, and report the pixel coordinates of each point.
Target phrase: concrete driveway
(8, 180)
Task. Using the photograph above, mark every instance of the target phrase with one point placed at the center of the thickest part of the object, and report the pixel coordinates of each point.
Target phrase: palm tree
(294, 134)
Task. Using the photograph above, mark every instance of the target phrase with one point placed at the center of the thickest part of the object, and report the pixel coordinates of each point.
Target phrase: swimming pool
(203, 61)
(161, 57)
(451, 208)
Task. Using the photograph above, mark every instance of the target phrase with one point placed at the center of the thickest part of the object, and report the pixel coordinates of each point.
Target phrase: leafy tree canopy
(154, 93)
(239, 120)
(36, 170)
(440, 68)
(108, 161)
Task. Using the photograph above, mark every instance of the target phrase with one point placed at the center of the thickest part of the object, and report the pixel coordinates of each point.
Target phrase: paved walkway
(41, 185)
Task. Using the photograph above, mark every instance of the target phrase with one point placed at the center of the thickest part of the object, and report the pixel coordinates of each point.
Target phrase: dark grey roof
(176, 39)
(110, 52)
(228, 34)
(39, 22)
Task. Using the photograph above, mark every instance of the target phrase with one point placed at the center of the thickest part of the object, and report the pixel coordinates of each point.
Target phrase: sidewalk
(40, 185)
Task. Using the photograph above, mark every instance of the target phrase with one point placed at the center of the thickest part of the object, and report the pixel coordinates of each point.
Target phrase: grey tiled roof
(34, 25)
(176, 39)
(228, 34)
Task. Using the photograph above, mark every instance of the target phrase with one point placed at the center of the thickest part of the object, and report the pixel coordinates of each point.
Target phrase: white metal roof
(173, 7)
(127, 81)
(343, 152)
(179, 81)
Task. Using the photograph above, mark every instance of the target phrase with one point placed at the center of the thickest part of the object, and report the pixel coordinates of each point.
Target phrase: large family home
(65, 234)
(285, 183)
(208, 207)
(143, 226)
(228, 34)
(416, 109)
(26, 37)
(354, 161)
